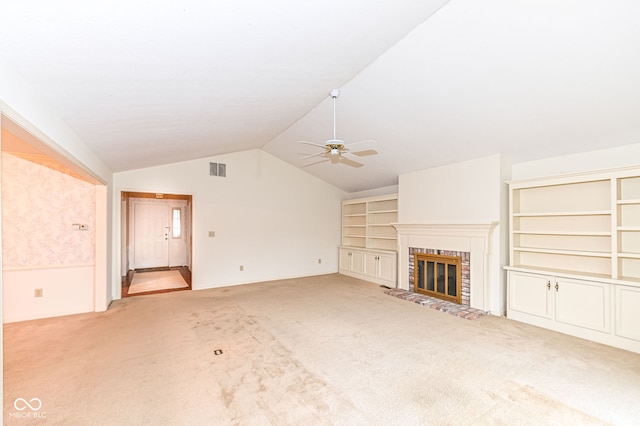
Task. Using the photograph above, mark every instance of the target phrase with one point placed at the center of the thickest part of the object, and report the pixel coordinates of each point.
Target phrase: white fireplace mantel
(476, 238)
(451, 229)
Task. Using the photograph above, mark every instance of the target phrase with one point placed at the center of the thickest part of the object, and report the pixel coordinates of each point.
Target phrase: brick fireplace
(472, 242)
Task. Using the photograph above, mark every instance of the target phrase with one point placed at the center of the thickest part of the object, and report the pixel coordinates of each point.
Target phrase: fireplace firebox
(438, 276)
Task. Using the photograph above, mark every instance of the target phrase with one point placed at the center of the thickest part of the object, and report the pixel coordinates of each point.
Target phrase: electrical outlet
(242, 267)
(212, 234)
(37, 292)
(319, 260)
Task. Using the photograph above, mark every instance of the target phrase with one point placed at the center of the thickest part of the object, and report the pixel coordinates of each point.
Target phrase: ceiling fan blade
(359, 142)
(313, 144)
(313, 155)
(365, 152)
(349, 162)
(317, 162)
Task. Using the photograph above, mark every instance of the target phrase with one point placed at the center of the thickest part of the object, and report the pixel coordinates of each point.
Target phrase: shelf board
(577, 213)
(569, 233)
(563, 252)
(629, 228)
(554, 271)
(374, 237)
(629, 255)
(635, 280)
(382, 211)
(354, 214)
(629, 201)
(354, 226)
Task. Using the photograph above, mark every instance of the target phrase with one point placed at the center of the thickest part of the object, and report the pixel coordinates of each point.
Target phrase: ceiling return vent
(218, 169)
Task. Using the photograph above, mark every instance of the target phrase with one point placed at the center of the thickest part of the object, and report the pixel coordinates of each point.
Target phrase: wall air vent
(218, 169)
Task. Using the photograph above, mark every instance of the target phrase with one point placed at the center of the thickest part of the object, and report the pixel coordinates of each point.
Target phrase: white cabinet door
(351, 261)
(357, 262)
(380, 267)
(627, 308)
(345, 260)
(387, 267)
(531, 294)
(375, 266)
(583, 303)
(371, 265)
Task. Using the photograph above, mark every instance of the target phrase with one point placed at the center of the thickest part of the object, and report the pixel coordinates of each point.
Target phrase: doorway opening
(156, 243)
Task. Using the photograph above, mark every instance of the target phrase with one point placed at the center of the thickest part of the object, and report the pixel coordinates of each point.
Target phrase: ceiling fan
(333, 149)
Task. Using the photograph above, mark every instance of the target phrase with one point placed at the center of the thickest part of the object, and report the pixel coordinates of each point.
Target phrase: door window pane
(177, 222)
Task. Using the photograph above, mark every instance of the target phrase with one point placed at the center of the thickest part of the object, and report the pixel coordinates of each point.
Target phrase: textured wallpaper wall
(39, 209)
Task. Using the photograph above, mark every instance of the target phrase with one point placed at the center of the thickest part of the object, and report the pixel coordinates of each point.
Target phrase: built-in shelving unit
(574, 249)
(354, 224)
(366, 222)
(628, 227)
(369, 241)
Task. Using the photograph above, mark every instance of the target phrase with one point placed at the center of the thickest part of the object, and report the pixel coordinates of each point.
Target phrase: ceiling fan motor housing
(335, 142)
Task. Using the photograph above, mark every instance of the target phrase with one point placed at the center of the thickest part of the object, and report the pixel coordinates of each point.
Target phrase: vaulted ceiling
(145, 83)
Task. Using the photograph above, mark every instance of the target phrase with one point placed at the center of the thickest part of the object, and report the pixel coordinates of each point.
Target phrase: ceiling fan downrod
(335, 150)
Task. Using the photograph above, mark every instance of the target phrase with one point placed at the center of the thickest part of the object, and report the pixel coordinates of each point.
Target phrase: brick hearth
(454, 309)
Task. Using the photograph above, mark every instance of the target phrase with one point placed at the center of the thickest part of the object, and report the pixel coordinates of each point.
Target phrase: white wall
(468, 192)
(385, 190)
(42, 250)
(463, 192)
(20, 103)
(66, 290)
(274, 219)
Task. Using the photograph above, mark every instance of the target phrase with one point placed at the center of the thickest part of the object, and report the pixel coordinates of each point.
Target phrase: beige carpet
(156, 280)
(327, 350)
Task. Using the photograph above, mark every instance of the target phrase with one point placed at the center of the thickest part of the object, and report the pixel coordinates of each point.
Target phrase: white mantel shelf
(476, 238)
(448, 229)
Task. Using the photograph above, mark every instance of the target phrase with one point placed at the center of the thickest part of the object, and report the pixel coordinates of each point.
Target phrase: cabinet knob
(548, 285)
(556, 286)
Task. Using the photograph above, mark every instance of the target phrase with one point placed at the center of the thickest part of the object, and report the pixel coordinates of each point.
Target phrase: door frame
(126, 228)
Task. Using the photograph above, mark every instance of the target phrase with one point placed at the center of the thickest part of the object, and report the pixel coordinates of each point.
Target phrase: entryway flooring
(126, 281)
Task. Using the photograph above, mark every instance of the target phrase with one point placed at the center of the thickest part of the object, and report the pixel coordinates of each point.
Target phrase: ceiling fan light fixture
(335, 151)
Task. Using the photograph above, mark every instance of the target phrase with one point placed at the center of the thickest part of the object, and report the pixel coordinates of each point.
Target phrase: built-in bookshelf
(369, 241)
(366, 222)
(575, 254)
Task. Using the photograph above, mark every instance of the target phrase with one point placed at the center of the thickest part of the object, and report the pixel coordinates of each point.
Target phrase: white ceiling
(152, 82)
